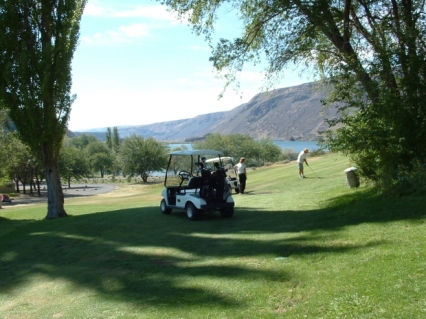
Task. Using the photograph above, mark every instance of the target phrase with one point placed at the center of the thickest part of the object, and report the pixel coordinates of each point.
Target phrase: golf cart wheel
(227, 212)
(164, 208)
(237, 191)
(192, 212)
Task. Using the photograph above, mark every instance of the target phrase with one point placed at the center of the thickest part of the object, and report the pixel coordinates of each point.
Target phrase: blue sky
(137, 64)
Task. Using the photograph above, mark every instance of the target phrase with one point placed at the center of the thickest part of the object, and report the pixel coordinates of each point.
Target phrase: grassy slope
(295, 248)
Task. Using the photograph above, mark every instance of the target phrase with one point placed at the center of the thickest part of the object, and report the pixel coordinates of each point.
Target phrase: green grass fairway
(295, 248)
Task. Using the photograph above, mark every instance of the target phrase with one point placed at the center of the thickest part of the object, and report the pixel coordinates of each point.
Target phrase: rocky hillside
(282, 114)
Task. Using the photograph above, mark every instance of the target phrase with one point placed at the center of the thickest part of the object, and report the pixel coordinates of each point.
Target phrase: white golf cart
(227, 163)
(192, 186)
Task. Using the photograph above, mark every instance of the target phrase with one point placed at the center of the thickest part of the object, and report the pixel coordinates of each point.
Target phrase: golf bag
(214, 186)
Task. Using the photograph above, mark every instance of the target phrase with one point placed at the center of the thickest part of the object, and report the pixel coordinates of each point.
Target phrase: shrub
(407, 181)
(317, 152)
(288, 154)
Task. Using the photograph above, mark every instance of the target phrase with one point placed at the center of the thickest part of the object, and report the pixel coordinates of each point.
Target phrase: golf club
(313, 171)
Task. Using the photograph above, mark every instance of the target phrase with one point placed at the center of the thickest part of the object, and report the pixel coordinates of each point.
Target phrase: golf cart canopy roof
(197, 152)
(216, 159)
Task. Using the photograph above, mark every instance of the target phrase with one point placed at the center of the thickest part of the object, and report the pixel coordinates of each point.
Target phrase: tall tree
(113, 139)
(116, 140)
(109, 138)
(372, 53)
(38, 41)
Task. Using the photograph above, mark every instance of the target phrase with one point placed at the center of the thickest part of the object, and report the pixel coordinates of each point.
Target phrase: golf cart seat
(194, 182)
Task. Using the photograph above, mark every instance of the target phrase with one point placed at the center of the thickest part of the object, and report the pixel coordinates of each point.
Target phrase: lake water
(293, 145)
(297, 145)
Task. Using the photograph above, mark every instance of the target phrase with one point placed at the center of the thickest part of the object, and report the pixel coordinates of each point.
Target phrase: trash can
(351, 177)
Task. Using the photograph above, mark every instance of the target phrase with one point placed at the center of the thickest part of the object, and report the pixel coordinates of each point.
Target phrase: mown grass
(295, 248)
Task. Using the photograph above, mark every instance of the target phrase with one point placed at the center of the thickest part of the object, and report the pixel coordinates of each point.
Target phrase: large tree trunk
(55, 202)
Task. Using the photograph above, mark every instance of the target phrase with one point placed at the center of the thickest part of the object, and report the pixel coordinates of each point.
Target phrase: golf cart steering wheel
(184, 175)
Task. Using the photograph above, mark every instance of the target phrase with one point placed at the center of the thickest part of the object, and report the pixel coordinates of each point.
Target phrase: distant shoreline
(284, 144)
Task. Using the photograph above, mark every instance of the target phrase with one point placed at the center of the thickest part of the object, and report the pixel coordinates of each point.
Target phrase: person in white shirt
(300, 159)
(240, 169)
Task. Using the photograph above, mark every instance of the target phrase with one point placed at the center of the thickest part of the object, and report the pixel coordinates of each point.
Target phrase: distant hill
(281, 114)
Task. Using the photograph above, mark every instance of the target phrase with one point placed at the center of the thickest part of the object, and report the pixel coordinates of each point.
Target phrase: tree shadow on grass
(146, 258)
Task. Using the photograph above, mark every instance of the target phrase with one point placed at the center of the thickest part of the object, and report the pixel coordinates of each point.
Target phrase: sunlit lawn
(295, 248)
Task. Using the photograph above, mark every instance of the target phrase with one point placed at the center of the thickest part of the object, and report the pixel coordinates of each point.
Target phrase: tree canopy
(73, 164)
(82, 141)
(239, 145)
(372, 55)
(142, 156)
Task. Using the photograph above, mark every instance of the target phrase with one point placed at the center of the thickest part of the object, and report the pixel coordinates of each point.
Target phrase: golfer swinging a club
(300, 159)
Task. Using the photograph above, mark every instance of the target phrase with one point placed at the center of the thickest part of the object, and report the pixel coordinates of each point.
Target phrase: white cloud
(200, 48)
(250, 76)
(109, 37)
(146, 19)
(94, 9)
(135, 30)
(157, 12)
(150, 12)
(123, 34)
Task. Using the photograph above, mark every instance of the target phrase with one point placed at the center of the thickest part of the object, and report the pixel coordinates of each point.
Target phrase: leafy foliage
(19, 158)
(19, 164)
(142, 156)
(179, 163)
(72, 164)
(101, 162)
(81, 142)
(4, 142)
(94, 154)
(257, 153)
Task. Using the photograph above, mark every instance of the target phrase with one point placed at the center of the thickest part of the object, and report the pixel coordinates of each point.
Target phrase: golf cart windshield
(225, 162)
